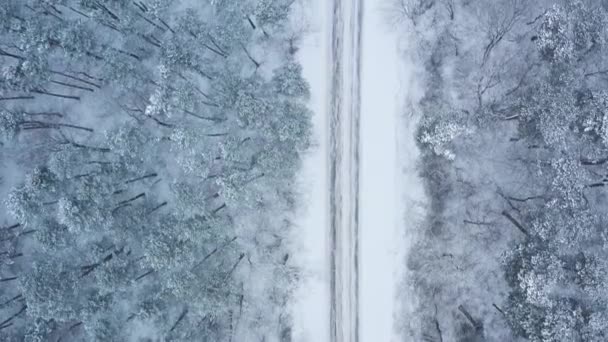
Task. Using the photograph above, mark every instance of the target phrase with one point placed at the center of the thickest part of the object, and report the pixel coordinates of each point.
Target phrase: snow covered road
(364, 190)
(357, 111)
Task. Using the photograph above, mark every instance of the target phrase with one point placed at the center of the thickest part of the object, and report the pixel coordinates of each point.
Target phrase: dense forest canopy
(514, 135)
(158, 141)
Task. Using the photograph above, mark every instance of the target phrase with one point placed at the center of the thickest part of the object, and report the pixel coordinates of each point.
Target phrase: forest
(514, 140)
(148, 154)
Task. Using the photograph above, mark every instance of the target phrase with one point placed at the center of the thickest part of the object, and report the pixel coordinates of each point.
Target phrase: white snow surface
(310, 308)
(380, 208)
(392, 194)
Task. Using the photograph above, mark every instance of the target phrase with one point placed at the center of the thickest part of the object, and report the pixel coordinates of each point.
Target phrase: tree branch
(515, 223)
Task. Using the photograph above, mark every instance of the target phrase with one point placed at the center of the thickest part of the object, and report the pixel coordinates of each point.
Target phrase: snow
(311, 299)
(378, 193)
(392, 193)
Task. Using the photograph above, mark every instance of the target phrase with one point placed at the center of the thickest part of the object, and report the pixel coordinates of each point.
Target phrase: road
(344, 146)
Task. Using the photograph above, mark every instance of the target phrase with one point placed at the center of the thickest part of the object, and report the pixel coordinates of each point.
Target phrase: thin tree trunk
(231, 317)
(78, 12)
(16, 98)
(46, 12)
(76, 78)
(515, 223)
(498, 309)
(157, 207)
(18, 235)
(251, 23)
(8, 54)
(469, 317)
(27, 232)
(8, 279)
(141, 178)
(215, 250)
(90, 268)
(99, 162)
(215, 51)
(166, 25)
(217, 45)
(587, 161)
(179, 319)
(215, 195)
(59, 115)
(126, 53)
(229, 274)
(149, 40)
(72, 85)
(257, 65)
(92, 148)
(140, 6)
(3, 323)
(90, 77)
(44, 92)
(215, 211)
(110, 26)
(143, 194)
(437, 327)
(198, 90)
(525, 199)
(11, 300)
(254, 178)
(151, 22)
(144, 275)
(11, 227)
(41, 124)
(75, 325)
(107, 10)
(202, 117)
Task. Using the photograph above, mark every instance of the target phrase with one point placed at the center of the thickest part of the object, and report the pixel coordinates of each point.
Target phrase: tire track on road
(344, 122)
(335, 158)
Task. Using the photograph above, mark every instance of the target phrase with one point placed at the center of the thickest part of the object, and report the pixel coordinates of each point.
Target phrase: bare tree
(410, 9)
(499, 21)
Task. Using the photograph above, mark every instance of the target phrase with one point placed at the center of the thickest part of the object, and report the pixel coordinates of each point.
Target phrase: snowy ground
(412, 196)
(392, 194)
(311, 300)
(380, 209)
